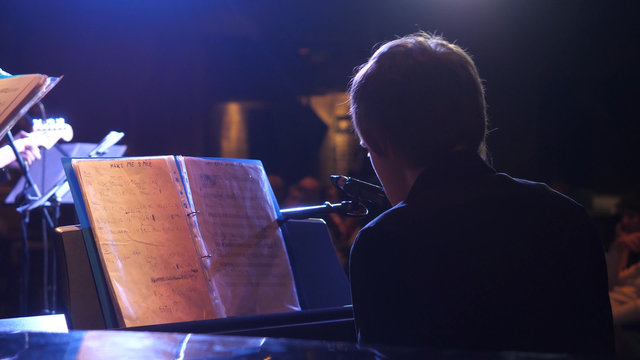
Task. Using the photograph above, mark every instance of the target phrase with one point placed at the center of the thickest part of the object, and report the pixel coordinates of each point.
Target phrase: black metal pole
(24, 280)
(32, 192)
(45, 267)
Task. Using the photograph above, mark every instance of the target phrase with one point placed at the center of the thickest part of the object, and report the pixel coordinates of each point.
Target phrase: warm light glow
(337, 147)
(233, 136)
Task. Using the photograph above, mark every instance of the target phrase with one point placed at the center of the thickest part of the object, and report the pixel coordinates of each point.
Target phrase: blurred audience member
(624, 277)
(343, 228)
(305, 192)
(623, 265)
(308, 191)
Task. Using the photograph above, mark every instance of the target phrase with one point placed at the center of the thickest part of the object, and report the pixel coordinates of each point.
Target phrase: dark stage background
(562, 76)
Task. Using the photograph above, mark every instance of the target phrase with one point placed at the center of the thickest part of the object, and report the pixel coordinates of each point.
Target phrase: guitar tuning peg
(37, 124)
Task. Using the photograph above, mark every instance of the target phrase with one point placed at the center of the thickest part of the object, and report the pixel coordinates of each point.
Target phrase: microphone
(361, 190)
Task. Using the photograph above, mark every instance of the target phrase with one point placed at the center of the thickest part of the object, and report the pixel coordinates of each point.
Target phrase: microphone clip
(371, 195)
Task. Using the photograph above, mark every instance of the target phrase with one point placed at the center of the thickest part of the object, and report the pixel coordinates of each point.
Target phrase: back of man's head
(423, 96)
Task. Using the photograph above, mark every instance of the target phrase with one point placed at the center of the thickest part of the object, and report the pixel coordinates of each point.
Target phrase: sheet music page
(186, 199)
(16, 92)
(237, 221)
(142, 235)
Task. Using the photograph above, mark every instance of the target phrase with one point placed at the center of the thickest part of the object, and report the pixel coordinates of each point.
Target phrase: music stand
(60, 187)
(7, 124)
(53, 198)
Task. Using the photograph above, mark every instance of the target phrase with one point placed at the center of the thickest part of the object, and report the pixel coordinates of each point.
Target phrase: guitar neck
(45, 135)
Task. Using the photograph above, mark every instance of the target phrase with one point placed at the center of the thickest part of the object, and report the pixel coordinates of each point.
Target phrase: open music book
(18, 94)
(183, 238)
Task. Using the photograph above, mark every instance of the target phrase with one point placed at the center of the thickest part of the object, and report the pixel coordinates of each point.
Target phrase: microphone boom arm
(348, 208)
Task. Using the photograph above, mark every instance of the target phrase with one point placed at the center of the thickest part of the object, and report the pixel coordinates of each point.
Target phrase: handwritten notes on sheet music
(142, 234)
(237, 221)
(184, 239)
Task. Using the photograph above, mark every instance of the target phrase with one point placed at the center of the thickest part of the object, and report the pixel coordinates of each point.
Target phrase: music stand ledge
(320, 282)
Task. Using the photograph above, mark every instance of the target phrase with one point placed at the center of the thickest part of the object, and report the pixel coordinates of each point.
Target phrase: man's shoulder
(537, 193)
(388, 219)
(381, 230)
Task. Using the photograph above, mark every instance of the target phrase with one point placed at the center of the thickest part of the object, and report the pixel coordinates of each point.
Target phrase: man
(467, 258)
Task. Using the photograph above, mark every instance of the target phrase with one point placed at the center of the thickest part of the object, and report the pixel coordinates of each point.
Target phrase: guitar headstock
(48, 132)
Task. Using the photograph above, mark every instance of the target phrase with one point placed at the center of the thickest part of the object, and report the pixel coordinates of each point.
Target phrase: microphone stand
(62, 186)
(373, 195)
(31, 192)
(349, 208)
(359, 191)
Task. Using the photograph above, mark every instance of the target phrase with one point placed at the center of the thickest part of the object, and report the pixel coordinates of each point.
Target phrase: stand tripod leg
(45, 267)
(54, 261)
(49, 280)
(24, 280)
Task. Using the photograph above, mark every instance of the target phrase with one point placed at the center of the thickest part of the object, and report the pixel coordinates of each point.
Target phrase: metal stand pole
(25, 262)
(32, 192)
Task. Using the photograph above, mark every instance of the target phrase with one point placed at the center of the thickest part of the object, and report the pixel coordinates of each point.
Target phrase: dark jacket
(475, 259)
